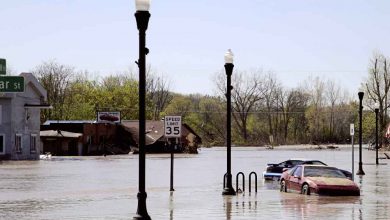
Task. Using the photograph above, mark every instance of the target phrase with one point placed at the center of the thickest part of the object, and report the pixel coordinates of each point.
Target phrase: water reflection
(227, 205)
(317, 207)
(171, 205)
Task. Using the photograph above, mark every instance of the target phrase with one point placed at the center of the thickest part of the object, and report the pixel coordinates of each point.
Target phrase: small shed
(59, 142)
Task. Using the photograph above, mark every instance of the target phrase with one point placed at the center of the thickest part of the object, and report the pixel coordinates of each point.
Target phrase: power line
(272, 112)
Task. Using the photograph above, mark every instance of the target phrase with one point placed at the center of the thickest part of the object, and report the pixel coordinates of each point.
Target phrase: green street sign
(3, 66)
(11, 84)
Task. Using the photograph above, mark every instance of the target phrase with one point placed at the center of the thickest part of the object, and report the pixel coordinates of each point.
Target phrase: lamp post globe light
(376, 132)
(360, 171)
(228, 188)
(142, 16)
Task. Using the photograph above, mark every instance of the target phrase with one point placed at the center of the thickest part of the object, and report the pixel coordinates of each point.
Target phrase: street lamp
(376, 131)
(142, 16)
(228, 189)
(360, 171)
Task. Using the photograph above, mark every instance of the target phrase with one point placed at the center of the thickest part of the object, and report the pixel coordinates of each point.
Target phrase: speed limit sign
(172, 126)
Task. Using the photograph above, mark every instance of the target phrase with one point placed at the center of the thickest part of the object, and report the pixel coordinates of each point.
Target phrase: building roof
(48, 122)
(154, 130)
(30, 79)
(59, 133)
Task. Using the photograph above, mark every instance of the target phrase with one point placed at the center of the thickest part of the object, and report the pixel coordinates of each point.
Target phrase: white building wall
(17, 119)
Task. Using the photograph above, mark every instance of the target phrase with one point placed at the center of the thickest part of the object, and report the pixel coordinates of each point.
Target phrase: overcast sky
(187, 39)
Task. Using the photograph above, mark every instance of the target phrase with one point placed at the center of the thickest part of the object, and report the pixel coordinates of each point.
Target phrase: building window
(33, 143)
(1, 115)
(2, 144)
(18, 143)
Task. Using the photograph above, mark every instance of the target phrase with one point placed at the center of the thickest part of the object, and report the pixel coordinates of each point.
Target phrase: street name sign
(11, 84)
(3, 66)
(172, 126)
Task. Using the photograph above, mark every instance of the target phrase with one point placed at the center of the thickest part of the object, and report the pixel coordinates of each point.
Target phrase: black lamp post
(142, 16)
(360, 171)
(228, 189)
(376, 131)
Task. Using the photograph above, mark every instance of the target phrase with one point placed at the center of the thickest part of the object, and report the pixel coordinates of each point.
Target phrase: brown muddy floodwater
(106, 187)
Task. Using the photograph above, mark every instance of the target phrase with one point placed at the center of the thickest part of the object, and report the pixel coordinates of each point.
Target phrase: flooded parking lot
(106, 187)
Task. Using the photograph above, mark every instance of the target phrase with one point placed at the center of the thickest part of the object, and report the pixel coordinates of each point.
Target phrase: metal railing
(250, 181)
(243, 181)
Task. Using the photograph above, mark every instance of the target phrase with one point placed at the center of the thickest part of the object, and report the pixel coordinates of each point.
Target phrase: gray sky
(187, 39)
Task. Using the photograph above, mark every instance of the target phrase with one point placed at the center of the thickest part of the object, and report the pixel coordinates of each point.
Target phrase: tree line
(316, 111)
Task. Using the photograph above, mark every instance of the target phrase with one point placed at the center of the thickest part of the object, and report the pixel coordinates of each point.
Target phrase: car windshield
(314, 162)
(290, 163)
(323, 172)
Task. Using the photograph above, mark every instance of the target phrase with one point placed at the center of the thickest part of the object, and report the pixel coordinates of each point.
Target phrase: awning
(46, 106)
(59, 133)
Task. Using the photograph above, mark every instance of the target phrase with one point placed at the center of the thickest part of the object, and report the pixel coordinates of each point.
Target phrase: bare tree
(247, 91)
(377, 85)
(158, 91)
(55, 78)
(271, 91)
(333, 97)
(293, 103)
(212, 119)
(316, 90)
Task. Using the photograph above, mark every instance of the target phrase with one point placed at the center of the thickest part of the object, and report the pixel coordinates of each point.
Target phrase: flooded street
(106, 187)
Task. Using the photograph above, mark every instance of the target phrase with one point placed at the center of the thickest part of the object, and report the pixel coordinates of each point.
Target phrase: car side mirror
(298, 177)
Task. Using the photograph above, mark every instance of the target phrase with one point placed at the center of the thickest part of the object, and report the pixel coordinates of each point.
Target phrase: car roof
(303, 159)
(316, 165)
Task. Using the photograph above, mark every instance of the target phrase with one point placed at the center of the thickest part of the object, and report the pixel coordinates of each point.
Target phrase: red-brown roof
(154, 130)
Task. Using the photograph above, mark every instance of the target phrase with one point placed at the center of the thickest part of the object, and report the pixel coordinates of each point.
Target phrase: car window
(292, 170)
(323, 172)
(314, 162)
(296, 162)
(298, 171)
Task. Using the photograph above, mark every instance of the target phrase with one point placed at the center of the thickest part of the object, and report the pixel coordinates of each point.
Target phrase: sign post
(172, 129)
(352, 133)
(3, 66)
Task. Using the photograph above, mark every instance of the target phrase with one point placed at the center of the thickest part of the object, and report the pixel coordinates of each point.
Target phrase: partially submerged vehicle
(318, 179)
(274, 171)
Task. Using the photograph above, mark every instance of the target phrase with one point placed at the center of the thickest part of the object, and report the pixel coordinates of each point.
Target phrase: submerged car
(274, 171)
(322, 180)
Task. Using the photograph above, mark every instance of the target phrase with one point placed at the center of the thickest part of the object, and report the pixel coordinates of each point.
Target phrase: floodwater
(106, 187)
